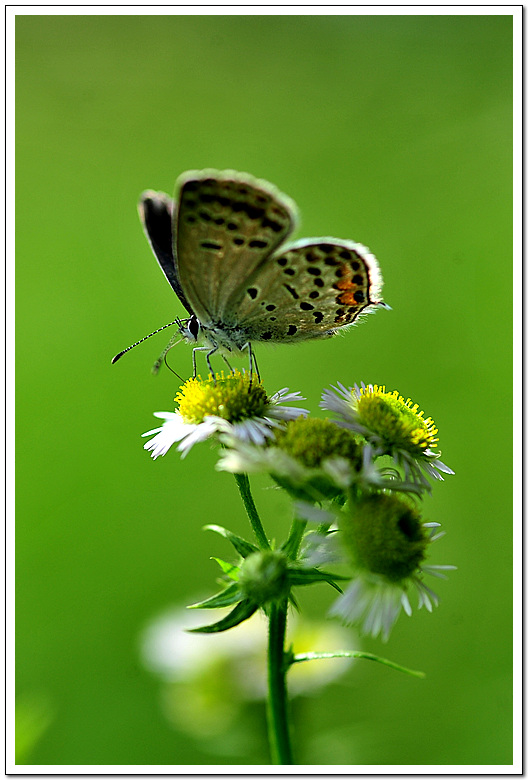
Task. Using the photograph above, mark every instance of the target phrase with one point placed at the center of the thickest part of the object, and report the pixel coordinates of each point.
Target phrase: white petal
(168, 415)
(442, 467)
(286, 412)
(154, 430)
(283, 395)
(173, 430)
(430, 570)
(199, 433)
(314, 514)
(237, 461)
(406, 604)
(434, 598)
(434, 536)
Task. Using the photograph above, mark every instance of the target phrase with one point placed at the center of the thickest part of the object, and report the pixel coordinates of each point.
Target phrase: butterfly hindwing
(307, 290)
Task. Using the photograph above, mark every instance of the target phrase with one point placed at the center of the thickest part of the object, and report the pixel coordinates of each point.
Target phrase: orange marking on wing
(346, 284)
(347, 297)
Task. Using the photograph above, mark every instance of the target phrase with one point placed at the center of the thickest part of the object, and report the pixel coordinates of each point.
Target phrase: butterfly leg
(195, 350)
(230, 367)
(252, 361)
(209, 366)
(253, 358)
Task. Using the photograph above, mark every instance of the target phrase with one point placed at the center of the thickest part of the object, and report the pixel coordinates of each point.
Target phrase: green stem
(242, 481)
(291, 548)
(278, 727)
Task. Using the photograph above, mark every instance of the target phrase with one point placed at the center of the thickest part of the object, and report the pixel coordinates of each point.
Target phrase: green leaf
(228, 568)
(296, 659)
(242, 611)
(242, 547)
(308, 576)
(225, 598)
(314, 574)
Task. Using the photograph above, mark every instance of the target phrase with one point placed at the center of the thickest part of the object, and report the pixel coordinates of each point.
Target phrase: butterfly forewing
(225, 227)
(155, 211)
(307, 290)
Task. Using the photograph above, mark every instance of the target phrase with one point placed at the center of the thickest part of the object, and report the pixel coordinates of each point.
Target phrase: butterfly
(221, 245)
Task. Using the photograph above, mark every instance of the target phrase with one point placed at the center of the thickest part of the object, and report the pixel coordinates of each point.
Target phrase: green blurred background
(394, 131)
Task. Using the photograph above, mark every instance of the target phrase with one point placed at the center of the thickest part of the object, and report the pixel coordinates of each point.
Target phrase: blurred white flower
(208, 677)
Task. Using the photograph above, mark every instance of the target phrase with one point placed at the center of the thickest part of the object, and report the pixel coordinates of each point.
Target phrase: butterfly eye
(193, 327)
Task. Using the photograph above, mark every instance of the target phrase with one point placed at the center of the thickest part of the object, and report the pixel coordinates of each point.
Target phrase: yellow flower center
(235, 398)
(311, 440)
(395, 420)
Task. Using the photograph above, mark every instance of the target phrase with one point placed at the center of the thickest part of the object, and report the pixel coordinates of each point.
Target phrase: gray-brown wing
(155, 211)
(226, 224)
(308, 289)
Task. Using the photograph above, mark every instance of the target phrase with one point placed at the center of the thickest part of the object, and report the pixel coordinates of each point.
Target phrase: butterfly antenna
(177, 321)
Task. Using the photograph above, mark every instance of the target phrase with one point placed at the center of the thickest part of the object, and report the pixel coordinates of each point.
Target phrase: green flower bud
(263, 577)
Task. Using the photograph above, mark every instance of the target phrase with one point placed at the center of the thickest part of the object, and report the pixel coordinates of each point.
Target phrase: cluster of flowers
(356, 481)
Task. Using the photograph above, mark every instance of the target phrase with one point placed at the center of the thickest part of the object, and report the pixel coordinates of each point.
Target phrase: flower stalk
(278, 720)
(244, 488)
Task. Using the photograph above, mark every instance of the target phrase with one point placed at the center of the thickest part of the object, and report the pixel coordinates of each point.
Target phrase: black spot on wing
(272, 224)
(292, 291)
(211, 245)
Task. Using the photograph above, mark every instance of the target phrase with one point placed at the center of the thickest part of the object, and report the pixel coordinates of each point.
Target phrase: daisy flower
(311, 458)
(392, 425)
(384, 542)
(235, 406)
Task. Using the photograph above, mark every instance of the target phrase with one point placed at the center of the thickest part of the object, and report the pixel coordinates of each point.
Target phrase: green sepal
(242, 611)
(308, 576)
(230, 569)
(293, 601)
(225, 598)
(242, 547)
